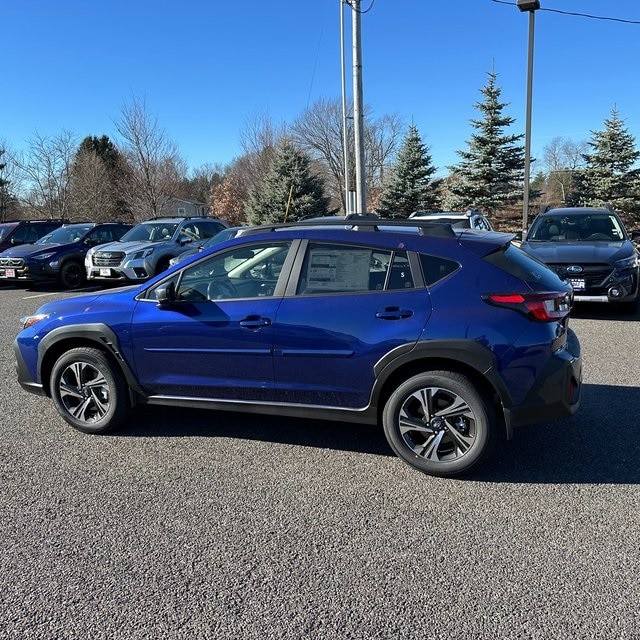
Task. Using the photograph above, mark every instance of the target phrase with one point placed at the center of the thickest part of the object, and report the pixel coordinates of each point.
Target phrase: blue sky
(207, 67)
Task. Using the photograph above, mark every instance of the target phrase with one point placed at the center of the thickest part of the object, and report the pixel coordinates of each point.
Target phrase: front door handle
(255, 322)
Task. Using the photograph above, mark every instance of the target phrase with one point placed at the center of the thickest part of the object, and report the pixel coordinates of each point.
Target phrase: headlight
(627, 263)
(44, 256)
(139, 255)
(27, 321)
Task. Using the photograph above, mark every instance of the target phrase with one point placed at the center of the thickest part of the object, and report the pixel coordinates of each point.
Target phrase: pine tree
(608, 177)
(289, 191)
(491, 172)
(411, 187)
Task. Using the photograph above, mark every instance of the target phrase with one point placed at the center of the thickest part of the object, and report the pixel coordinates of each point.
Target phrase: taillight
(542, 307)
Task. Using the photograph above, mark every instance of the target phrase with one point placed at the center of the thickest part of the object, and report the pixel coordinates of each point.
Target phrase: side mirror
(166, 294)
(635, 235)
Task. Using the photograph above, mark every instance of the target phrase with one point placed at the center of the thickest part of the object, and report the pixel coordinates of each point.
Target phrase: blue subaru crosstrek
(446, 338)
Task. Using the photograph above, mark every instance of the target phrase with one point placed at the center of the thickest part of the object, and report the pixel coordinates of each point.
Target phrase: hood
(34, 250)
(579, 251)
(23, 250)
(127, 247)
(112, 298)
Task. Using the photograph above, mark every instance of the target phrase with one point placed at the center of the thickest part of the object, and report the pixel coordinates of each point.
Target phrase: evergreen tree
(95, 175)
(411, 187)
(491, 172)
(289, 191)
(608, 177)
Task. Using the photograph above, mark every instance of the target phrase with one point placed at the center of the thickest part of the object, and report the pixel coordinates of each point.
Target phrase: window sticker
(338, 270)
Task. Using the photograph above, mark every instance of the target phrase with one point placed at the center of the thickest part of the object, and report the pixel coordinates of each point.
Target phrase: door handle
(394, 313)
(255, 322)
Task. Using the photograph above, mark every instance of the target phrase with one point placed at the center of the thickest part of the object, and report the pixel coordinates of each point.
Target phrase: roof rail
(29, 221)
(365, 222)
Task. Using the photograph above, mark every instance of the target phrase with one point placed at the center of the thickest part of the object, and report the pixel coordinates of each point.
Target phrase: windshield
(5, 229)
(150, 232)
(65, 235)
(577, 227)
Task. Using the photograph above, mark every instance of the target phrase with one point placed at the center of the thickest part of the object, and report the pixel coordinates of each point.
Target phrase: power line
(575, 13)
(348, 2)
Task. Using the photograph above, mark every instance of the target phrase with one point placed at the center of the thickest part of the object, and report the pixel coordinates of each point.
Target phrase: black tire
(163, 265)
(440, 424)
(72, 275)
(87, 392)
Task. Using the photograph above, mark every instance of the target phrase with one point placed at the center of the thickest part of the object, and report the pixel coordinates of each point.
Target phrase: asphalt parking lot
(192, 524)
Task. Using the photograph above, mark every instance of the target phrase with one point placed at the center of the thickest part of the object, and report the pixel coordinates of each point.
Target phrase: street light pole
(345, 143)
(531, 6)
(358, 109)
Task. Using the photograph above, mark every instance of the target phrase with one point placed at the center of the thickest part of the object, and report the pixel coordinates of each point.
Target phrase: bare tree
(561, 158)
(201, 181)
(258, 140)
(319, 132)
(44, 171)
(8, 180)
(153, 167)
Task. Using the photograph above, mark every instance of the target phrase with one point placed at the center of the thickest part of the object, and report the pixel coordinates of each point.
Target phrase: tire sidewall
(461, 386)
(63, 275)
(98, 360)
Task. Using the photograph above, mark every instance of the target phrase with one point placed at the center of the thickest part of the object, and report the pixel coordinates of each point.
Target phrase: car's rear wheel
(439, 423)
(72, 275)
(87, 393)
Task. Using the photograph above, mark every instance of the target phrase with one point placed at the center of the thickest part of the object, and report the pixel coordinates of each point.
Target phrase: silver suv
(470, 219)
(145, 250)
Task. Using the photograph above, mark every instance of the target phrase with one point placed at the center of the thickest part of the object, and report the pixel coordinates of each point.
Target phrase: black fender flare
(97, 333)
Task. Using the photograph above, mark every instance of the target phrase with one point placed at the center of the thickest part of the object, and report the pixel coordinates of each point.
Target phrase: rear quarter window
(435, 268)
(521, 265)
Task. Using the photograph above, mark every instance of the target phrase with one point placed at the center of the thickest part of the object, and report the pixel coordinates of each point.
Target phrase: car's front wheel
(72, 275)
(439, 423)
(87, 393)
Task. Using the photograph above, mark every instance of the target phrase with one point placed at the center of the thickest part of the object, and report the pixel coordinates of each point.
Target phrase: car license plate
(105, 272)
(7, 273)
(577, 284)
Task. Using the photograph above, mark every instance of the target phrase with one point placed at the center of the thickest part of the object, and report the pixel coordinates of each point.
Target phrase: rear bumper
(557, 393)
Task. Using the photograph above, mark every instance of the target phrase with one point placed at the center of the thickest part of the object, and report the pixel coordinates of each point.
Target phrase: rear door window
(337, 268)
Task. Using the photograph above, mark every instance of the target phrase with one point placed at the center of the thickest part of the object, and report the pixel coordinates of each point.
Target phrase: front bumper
(618, 286)
(29, 273)
(128, 270)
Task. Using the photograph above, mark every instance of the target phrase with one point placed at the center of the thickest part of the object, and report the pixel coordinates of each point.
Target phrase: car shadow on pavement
(595, 311)
(599, 444)
(153, 421)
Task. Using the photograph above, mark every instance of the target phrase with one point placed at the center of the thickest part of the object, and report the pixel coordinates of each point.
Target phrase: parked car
(196, 247)
(591, 249)
(145, 250)
(470, 219)
(445, 337)
(16, 232)
(58, 256)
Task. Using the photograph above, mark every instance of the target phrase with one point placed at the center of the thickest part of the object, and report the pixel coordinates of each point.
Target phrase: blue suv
(446, 338)
(58, 256)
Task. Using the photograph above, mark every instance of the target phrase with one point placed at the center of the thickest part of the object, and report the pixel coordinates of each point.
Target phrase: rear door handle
(394, 313)
(255, 322)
